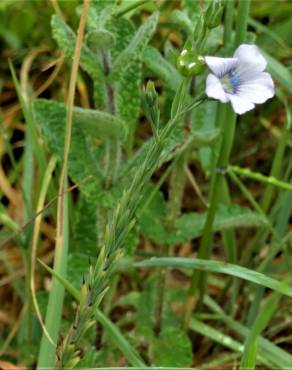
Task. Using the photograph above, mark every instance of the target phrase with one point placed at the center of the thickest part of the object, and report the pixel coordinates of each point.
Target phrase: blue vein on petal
(230, 82)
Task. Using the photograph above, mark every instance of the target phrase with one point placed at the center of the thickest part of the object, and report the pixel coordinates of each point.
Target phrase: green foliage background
(237, 324)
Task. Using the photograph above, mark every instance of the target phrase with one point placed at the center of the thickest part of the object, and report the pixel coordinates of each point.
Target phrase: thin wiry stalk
(35, 240)
(54, 311)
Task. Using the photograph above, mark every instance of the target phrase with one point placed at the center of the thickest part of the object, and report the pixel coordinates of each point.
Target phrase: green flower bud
(150, 105)
(214, 12)
(189, 63)
(150, 94)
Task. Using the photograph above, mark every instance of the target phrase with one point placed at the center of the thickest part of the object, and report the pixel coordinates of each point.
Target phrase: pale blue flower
(240, 80)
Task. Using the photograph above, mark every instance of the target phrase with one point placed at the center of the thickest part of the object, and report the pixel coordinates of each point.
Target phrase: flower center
(229, 82)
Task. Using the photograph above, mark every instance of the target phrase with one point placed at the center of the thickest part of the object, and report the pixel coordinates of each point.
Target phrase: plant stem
(229, 240)
(241, 21)
(270, 180)
(228, 22)
(199, 278)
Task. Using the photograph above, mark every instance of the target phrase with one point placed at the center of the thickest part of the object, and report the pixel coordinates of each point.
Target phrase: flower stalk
(199, 278)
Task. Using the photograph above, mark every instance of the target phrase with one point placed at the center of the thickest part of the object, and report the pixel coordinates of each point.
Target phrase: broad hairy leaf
(99, 5)
(128, 85)
(85, 238)
(89, 62)
(190, 225)
(163, 348)
(66, 38)
(51, 118)
(98, 124)
(136, 46)
(147, 309)
(171, 334)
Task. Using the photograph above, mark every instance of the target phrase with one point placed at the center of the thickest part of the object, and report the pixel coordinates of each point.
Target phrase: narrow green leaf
(161, 68)
(182, 20)
(248, 360)
(65, 282)
(46, 356)
(119, 339)
(279, 72)
(218, 267)
(221, 338)
(216, 335)
(276, 356)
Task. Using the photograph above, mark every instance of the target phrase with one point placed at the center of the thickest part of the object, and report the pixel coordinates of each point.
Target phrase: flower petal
(214, 89)
(239, 104)
(258, 89)
(220, 66)
(250, 61)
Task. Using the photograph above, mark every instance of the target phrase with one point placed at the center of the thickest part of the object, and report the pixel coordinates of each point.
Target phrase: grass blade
(220, 267)
(248, 360)
(55, 305)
